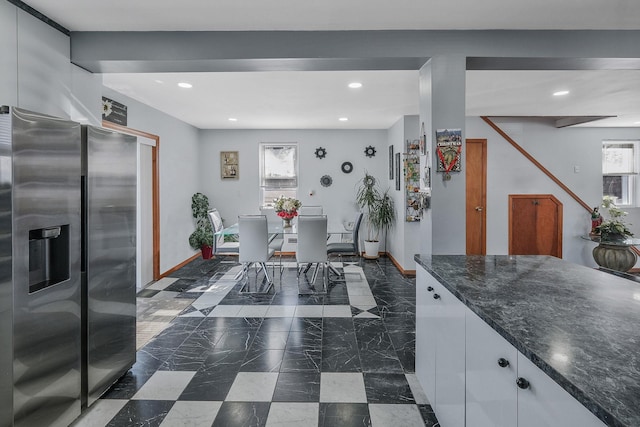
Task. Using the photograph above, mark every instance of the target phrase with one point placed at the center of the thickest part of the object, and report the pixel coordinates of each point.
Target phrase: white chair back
(272, 216)
(312, 239)
(254, 238)
(310, 210)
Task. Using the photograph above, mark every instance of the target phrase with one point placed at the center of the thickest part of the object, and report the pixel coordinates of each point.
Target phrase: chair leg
(315, 273)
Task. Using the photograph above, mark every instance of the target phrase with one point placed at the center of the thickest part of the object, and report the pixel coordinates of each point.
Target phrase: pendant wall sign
(448, 151)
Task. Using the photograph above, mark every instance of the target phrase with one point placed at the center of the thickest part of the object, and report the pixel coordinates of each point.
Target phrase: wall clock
(321, 152)
(370, 151)
(346, 167)
(326, 181)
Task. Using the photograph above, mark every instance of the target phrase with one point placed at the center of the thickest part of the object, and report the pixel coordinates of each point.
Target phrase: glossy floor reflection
(209, 355)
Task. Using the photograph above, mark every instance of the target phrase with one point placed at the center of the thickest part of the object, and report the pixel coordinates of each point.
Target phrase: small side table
(616, 256)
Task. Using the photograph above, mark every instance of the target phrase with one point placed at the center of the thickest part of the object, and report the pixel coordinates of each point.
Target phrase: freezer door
(46, 269)
(110, 200)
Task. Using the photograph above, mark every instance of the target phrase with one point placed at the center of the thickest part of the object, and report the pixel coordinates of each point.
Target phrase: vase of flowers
(286, 208)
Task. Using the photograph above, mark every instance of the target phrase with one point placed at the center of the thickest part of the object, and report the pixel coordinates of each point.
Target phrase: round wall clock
(370, 151)
(346, 167)
(321, 152)
(326, 181)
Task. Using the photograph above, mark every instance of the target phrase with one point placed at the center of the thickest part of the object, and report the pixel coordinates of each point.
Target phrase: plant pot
(371, 249)
(207, 252)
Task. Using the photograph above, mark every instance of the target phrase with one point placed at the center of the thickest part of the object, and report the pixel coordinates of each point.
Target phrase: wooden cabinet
(470, 372)
(535, 225)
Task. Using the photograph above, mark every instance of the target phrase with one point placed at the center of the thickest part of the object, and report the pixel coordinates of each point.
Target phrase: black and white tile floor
(228, 359)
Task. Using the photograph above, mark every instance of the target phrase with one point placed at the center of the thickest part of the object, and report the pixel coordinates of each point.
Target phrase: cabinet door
(450, 358)
(425, 333)
(491, 366)
(545, 403)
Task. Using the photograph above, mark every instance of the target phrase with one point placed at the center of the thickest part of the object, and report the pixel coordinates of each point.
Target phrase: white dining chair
(312, 247)
(310, 210)
(220, 247)
(254, 248)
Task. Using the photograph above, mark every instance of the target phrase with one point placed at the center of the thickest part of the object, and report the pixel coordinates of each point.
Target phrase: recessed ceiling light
(185, 85)
(343, 119)
(636, 123)
(561, 93)
(158, 81)
(233, 119)
(355, 85)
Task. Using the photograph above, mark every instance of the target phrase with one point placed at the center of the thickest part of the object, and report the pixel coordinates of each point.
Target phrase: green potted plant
(202, 237)
(379, 210)
(613, 229)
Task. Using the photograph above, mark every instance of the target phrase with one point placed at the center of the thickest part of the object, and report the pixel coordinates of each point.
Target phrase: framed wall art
(391, 162)
(397, 171)
(229, 165)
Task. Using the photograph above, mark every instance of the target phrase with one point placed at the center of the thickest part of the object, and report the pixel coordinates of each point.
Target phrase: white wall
(558, 150)
(179, 154)
(235, 197)
(403, 241)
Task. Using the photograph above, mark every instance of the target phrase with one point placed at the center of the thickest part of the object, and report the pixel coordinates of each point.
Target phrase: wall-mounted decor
(423, 140)
(114, 112)
(397, 171)
(229, 165)
(321, 152)
(391, 162)
(449, 151)
(370, 151)
(346, 167)
(326, 181)
(413, 207)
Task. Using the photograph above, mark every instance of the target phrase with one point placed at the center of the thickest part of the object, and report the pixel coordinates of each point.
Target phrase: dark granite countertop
(579, 325)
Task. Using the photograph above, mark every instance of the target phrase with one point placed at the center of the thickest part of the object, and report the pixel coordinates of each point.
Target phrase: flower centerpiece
(614, 228)
(286, 208)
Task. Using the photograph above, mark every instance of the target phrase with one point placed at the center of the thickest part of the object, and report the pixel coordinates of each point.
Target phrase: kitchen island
(577, 326)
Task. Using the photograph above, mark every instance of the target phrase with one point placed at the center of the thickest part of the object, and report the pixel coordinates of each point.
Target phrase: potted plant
(380, 213)
(613, 229)
(202, 237)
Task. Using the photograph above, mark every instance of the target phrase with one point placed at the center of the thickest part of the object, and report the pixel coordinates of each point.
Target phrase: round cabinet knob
(436, 296)
(503, 363)
(430, 288)
(522, 383)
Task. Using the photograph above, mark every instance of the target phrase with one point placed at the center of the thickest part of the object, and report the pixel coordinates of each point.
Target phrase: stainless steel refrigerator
(67, 265)
(40, 310)
(109, 175)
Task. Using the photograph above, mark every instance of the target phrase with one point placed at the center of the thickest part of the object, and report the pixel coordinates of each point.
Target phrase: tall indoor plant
(202, 237)
(379, 210)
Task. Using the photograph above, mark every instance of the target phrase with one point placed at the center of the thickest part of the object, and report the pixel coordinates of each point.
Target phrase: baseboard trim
(410, 273)
(179, 266)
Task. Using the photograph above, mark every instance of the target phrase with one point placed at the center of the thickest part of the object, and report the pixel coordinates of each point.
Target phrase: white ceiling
(318, 99)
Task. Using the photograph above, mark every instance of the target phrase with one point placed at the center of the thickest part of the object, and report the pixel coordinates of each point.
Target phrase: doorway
(476, 196)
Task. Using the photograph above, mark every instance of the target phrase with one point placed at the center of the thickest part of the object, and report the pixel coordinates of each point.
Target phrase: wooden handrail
(542, 168)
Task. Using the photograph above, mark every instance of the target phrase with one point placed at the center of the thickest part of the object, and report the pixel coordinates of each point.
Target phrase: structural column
(442, 106)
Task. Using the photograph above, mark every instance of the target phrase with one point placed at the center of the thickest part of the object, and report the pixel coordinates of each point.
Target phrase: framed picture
(391, 162)
(397, 171)
(229, 167)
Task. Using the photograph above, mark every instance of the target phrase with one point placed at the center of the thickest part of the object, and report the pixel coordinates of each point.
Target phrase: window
(278, 172)
(619, 170)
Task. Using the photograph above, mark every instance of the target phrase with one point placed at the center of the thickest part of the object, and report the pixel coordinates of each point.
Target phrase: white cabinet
(440, 364)
(545, 404)
(491, 372)
(470, 372)
(425, 334)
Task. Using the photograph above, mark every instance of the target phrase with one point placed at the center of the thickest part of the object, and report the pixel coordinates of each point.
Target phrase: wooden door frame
(483, 142)
(155, 188)
(551, 197)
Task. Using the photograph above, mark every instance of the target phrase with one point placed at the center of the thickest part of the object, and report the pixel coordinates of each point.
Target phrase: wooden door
(476, 199)
(535, 225)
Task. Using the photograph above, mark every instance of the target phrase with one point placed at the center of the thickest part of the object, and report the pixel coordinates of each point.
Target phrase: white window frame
(617, 165)
(269, 188)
